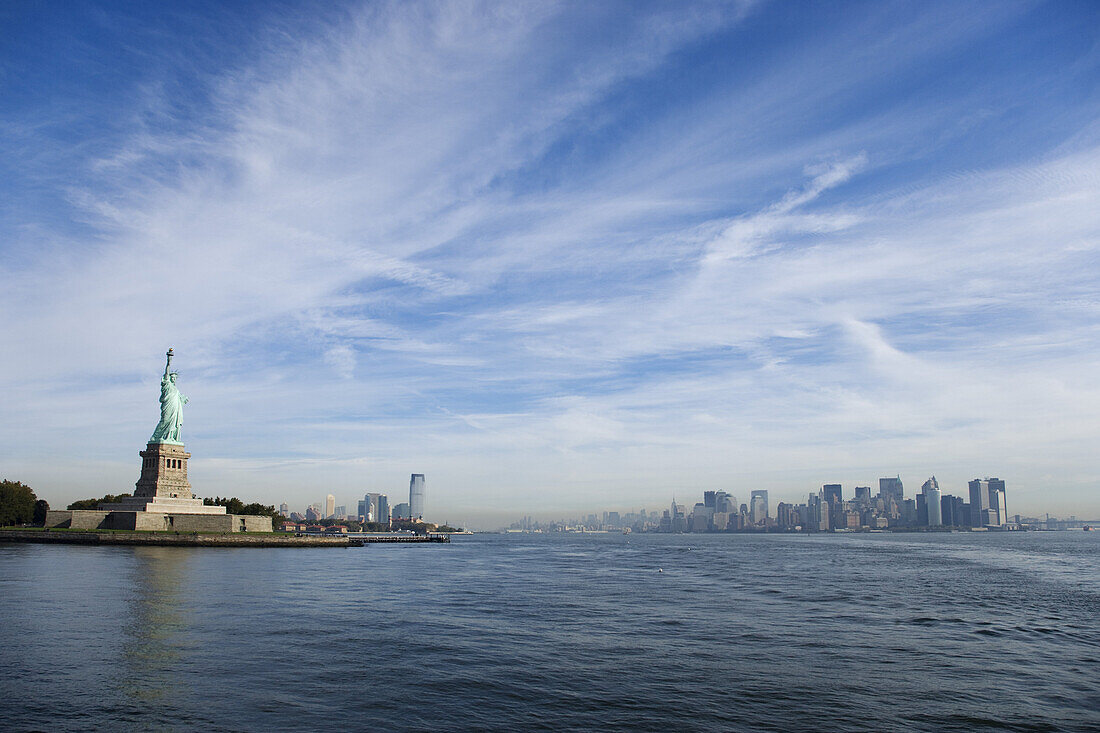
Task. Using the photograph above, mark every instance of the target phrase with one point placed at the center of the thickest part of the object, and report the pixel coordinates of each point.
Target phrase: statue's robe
(171, 413)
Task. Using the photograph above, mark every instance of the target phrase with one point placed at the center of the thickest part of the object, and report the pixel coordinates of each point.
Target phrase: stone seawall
(172, 539)
(182, 522)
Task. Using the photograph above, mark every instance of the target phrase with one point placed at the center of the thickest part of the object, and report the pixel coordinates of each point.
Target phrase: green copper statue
(171, 408)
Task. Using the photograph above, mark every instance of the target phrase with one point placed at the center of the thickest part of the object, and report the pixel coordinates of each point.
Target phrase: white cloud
(342, 360)
(431, 240)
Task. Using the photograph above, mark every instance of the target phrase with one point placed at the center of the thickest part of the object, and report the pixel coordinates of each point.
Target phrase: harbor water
(937, 632)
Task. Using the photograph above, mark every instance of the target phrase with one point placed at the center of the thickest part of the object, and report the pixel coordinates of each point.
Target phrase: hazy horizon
(559, 258)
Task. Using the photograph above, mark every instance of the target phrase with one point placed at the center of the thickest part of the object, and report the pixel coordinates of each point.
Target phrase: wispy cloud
(572, 254)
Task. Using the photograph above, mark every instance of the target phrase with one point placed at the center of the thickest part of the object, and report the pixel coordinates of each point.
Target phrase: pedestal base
(161, 505)
(164, 472)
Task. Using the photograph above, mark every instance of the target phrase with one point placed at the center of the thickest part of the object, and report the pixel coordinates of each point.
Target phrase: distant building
(891, 488)
(785, 517)
(374, 507)
(988, 507)
(758, 509)
(677, 520)
(401, 511)
(416, 496)
(832, 493)
(708, 498)
(998, 501)
(932, 510)
(284, 509)
(341, 511)
(908, 512)
(724, 502)
(701, 517)
(863, 495)
(951, 511)
(330, 505)
(817, 514)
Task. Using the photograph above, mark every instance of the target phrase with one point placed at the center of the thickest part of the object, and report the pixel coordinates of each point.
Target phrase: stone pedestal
(162, 505)
(164, 472)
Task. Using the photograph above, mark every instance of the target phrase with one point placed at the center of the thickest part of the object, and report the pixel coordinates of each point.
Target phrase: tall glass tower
(931, 492)
(416, 496)
(758, 503)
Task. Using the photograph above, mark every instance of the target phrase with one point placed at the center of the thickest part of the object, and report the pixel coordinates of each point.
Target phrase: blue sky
(558, 257)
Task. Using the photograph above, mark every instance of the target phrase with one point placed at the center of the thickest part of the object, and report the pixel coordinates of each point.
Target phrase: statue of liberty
(171, 408)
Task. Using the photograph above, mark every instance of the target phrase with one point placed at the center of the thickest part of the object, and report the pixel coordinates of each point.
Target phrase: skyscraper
(416, 496)
(997, 500)
(375, 507)
(988, 506)
(951, 511)
(382, 508)
(817, 513)
(832, 493)
(931, 492)
(701, 516)
(677, 519)
(891, 488)
(785, 516)
(863, 495)
(979, 503)
(908, 512)
(758, 510)
(330, 505)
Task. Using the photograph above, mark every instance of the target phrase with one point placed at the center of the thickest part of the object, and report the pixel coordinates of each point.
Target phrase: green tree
(40, 508)
(16, 503)
(94, 503)
(236, 506)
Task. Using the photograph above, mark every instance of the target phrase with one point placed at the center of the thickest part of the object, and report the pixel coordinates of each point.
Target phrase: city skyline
(554, 256)
(826, 510)
(925, 506)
